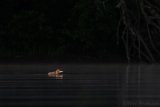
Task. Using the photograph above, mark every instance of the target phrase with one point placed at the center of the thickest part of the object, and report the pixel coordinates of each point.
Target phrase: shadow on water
(141, 86)
(81, 85)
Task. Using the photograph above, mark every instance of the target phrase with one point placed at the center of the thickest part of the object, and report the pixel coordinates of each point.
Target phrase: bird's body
(53, 73)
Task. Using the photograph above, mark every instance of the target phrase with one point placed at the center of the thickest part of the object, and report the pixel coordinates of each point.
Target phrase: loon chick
(55, 72)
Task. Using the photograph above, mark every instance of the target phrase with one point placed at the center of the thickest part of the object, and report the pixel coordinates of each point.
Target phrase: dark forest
(92, 30)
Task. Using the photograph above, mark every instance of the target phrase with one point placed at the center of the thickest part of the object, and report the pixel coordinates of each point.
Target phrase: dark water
(81, 85)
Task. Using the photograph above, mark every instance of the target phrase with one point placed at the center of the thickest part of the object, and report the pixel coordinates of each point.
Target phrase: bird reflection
(57, 73)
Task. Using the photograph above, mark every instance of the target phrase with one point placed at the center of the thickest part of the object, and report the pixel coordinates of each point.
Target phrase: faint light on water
(59, 76)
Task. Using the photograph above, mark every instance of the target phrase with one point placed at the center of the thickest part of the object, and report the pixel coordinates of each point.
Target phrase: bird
(55, 72)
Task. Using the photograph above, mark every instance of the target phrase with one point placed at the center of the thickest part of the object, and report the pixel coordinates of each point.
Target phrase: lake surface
(81, 85)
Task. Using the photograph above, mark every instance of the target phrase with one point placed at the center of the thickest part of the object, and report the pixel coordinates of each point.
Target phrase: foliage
(79, 28)
(141, 26)
(93, 25)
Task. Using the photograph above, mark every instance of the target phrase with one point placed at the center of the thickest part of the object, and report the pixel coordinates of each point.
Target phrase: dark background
(60, 30)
